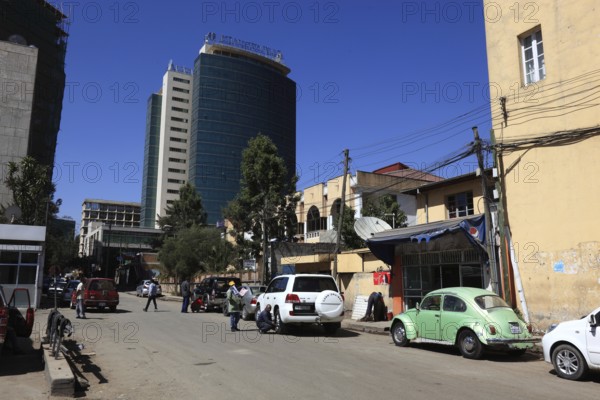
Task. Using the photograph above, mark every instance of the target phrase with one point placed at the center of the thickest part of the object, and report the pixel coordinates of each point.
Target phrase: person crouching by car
(264, 321)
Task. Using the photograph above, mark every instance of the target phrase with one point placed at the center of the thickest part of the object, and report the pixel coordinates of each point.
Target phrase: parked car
(303, 299)
(470, 318)
(46, 284)
(99, 293)
(573, 347)
(249, 300)
(3, 317)
(68, 292)
(56, 290)
(249, 295)
(16, 313)
(142, 289)
(213, 291)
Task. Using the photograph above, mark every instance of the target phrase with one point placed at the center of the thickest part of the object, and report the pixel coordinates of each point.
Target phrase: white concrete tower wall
(17, 79)
(175, 128)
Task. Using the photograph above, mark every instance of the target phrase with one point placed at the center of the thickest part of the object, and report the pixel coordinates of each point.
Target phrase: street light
(393, 219)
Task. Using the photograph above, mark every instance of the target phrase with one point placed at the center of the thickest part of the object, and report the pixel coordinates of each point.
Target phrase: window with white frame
(460, 205)
(532, 56)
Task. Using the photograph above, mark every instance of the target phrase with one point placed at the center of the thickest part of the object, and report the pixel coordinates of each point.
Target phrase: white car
(573, 347)
(303, 299)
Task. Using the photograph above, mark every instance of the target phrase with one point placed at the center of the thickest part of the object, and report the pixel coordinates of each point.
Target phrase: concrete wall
(17, 78)
(170, 139)
(361, 284)
(551, 193)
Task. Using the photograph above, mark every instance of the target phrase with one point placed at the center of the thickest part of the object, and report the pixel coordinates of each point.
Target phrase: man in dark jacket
(264, 321)
(185, 293)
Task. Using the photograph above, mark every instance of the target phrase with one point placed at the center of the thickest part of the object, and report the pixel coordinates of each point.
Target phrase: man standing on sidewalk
(80, 307)
(185, 293)
(233, 302)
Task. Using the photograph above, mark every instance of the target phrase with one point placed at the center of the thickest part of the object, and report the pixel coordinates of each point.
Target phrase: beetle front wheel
(399, 334)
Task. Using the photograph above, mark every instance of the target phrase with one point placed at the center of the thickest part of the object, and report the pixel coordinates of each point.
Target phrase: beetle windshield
(486, 302)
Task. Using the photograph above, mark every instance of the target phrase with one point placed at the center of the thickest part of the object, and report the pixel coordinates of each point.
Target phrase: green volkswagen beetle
(470, 318)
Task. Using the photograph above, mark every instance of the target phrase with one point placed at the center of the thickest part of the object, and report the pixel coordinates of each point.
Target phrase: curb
(367, 329)
(58, 374)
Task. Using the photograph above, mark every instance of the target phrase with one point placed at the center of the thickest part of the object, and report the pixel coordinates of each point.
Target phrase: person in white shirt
(80, 307)
(152, 289)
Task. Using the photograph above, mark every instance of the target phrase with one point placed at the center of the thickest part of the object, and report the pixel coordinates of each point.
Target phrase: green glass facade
(151, 147)
(234, 99)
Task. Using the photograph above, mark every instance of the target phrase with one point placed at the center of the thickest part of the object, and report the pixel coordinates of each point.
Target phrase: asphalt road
(131, 354)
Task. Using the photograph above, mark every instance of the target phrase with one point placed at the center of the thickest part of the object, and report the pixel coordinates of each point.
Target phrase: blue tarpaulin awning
(383, 244)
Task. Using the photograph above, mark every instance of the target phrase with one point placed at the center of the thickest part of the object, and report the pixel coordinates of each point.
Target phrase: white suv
(573, 347)
(303, 299)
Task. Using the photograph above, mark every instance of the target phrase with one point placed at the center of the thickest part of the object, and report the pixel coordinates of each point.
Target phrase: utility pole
(341, 218)
(108, 249)
(489, 238)
(263, 225)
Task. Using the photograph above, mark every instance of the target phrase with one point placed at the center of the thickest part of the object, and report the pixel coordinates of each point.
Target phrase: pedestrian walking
(80, 306)
(234, 306)
(264, 321)
(185, 293)
(152, 289)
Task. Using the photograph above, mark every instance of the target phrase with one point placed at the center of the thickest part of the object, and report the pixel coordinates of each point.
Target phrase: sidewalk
(381, 328)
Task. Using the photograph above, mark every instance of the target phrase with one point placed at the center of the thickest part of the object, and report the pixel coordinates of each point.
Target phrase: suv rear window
(102, 285)
(314, 284)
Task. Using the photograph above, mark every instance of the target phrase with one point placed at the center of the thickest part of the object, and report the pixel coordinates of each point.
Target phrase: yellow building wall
(434, 201)
(358, 262)
(551, 193)
(361, 284)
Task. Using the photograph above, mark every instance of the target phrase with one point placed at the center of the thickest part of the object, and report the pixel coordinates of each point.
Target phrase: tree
(32, 191)
(386, 208)
(183, 212)
(61, 246)
(266, 203)
(349, 237)
(196, 249)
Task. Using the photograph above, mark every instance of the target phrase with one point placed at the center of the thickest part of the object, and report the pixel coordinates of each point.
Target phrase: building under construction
(33, 36)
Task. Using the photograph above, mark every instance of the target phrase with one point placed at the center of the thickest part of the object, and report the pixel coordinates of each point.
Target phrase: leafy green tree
(386, 208)
(266, 203)
(196, 249)
(183, 212)
(32, 191)
(61, 250)
(349, 237)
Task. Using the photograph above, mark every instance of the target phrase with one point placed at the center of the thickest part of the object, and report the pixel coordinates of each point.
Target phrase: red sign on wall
(381, 278)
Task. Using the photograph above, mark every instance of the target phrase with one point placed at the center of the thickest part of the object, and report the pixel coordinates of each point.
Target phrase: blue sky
(371, 77)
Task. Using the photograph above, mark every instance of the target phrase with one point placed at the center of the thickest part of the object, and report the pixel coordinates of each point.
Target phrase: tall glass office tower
(199, 123)
(239, 90)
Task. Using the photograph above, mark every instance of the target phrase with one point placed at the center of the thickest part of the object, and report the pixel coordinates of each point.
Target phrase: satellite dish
(18, 39)
(366, 227)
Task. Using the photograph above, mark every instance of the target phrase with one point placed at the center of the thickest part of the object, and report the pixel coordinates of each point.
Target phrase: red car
(98, 293)
(11, 314)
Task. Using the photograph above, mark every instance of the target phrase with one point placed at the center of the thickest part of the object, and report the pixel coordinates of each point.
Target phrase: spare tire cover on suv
(329, 304)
